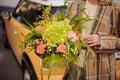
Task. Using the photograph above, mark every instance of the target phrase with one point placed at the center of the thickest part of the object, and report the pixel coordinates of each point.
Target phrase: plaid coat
(104, 68)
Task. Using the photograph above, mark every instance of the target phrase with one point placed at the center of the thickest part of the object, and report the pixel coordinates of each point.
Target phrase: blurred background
(9, 68)
(8, 3)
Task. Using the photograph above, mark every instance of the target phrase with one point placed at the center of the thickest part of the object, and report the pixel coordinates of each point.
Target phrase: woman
(101, 34)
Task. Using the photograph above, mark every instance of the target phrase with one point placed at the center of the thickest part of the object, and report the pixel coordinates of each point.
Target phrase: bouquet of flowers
(56, 38)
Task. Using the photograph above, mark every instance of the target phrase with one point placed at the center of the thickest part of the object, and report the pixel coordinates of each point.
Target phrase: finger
(93, 44)
(90, 42)
(88, 38)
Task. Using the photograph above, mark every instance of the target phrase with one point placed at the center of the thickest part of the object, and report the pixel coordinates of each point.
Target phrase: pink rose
(71, 34)
(40, 49)
(75, 39)
(61, 48)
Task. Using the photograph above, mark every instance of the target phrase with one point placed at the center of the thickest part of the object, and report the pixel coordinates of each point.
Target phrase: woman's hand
(92, 40)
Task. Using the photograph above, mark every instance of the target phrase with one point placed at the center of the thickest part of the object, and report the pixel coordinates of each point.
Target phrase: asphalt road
(9, 68)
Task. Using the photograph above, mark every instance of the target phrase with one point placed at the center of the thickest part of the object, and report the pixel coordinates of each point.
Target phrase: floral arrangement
(56, 38)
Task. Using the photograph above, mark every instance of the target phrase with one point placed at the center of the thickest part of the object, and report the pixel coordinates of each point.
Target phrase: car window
(29, 11)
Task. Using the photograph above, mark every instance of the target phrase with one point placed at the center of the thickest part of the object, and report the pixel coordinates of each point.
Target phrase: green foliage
(46, 13)
(79, 21)
(59, 15)
(31, 37)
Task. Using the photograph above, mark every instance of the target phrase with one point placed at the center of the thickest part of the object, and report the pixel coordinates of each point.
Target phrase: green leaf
(76, 16)
(53, 61)
(27, 22)
(59, 15)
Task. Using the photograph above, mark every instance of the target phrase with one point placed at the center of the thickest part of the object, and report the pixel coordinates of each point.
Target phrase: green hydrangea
(56, 32)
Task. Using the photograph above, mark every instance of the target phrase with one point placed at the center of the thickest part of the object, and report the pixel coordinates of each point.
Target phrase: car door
(13, 31)
(16, 25)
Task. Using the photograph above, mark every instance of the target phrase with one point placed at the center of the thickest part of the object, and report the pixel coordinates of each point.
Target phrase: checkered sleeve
(118, 43)
(109, 41)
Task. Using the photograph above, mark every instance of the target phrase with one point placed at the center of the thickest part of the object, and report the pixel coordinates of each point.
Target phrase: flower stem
(41, 73)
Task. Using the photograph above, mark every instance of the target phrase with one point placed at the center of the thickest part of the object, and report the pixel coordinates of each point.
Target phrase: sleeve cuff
(107, 41)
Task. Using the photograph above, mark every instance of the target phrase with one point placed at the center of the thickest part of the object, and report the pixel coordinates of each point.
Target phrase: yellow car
(14, 25)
